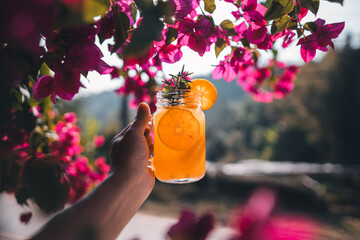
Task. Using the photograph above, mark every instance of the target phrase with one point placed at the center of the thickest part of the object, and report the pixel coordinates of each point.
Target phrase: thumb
(142, 117)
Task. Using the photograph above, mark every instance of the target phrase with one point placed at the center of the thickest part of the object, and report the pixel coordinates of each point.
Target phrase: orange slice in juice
(207, 90)
(178, 129)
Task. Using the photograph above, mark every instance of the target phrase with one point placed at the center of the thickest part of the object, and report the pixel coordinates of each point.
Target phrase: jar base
(182, 180)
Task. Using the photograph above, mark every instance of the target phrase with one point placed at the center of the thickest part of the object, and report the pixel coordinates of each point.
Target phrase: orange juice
(179, 137)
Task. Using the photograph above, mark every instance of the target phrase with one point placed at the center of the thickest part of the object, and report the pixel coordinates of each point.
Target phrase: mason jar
(179, 137)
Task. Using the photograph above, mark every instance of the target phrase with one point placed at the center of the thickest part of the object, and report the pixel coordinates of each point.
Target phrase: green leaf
(142, 37)
(210, 6)
(93, 8)
(312, 5)
(133, 13)
(337, 1)
(36, 140)
(219, 46)
(299, 32)
(44, 70)
(144, 5)
(171, 35)
(280, 24)
(267, 4)
(311, 26)
(278, 8)
(292, 24)
(228, 26)
(245, 42)
(122, 26)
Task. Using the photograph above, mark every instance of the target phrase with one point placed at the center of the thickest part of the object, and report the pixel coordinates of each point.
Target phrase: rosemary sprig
(178, 81)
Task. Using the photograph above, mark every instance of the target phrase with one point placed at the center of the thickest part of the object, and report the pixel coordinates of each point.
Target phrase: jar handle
(150, 162)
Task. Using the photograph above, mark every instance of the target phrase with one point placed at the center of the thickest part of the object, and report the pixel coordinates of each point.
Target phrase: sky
(331, 12)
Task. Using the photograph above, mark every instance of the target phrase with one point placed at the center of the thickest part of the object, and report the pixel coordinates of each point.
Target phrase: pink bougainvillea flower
(237, 14)
(80, 35)
(303, 12)
(103, 68)
(239, 29)
(288, 37)
(241, 57)
(189, 227)
(106, 26)
(264, 97)
(43, 87)
(99, 140)
(320, 39)
(308, 49)
(254, 18)
(195, 34)
(70, 117)
(285, 83)
(257, 220)
(198, 44)
(84, 57)
(66, 82)
(183, 7)
(170, 53)
(203, 27)
(101, 164)
(266, 44)
(224, 70)
(248, 5)
(256, 35)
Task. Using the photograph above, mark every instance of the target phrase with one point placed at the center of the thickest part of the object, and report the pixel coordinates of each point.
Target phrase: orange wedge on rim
(207, 90)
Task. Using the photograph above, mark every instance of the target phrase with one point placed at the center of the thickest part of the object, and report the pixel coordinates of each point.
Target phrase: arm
(104, 212)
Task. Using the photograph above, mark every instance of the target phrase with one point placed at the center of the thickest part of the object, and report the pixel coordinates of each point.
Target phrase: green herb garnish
(177, 82)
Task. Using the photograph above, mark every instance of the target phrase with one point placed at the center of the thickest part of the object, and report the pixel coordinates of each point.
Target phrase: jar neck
(183, 97)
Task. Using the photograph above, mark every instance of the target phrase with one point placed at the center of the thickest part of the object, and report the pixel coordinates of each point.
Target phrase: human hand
(130, 150)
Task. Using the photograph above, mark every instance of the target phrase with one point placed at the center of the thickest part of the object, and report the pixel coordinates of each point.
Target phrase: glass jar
(179, 137)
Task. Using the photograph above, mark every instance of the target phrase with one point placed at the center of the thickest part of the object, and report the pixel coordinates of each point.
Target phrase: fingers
(142, 117)
(149, 140)
(120, 134)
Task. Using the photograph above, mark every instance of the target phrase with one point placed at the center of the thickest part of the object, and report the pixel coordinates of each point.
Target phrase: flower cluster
(71, 52)
(55, 156)
(256, 220)
(157, 35)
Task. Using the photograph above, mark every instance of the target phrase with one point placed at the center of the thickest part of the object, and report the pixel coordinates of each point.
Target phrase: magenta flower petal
(308, 50)
(229, 73)
(254, 18)
(170, 54)
(256, 36)
(84, 57)
(190, 227)
(320, 22)
(103, 68)
(203, 27)
(218, 72)
(66, 81)
(248, 5)
(43, 87)
(184, 7)
(266, 44)
(236, 14)
(198, 44)
(330, 31)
